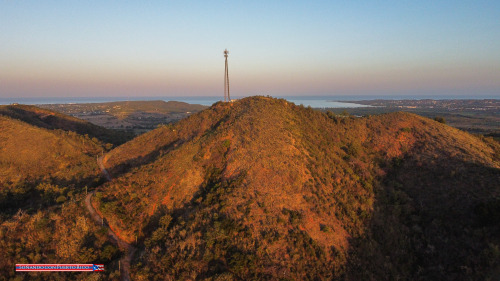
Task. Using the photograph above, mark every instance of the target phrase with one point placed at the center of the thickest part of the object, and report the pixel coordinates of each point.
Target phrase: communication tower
(227, 97)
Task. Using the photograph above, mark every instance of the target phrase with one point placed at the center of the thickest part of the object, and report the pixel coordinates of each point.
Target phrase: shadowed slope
(437, 213)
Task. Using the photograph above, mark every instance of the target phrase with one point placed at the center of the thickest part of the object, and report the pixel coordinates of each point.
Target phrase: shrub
(109, 252)
(440, 119)
(325, 228)
(61, 199)
(353, 149)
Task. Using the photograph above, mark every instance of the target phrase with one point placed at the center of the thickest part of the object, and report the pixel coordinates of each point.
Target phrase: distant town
(474, 116)
(133, 116)
(450, 105)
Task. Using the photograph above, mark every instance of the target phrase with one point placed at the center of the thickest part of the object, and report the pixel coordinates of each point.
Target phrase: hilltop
(49, 119)
(264, 189)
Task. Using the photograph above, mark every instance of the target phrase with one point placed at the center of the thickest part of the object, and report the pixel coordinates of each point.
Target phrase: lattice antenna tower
(227, 97)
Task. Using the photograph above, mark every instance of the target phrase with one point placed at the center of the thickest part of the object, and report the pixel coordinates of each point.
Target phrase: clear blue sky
(172, 48)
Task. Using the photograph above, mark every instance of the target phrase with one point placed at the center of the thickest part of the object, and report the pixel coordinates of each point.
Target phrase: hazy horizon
(279, 48)
(306, 100)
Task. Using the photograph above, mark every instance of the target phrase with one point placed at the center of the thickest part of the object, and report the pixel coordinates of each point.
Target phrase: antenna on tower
(227, 97)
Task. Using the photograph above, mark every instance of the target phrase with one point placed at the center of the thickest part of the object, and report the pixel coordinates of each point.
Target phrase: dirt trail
(103, 169)
(127, 248)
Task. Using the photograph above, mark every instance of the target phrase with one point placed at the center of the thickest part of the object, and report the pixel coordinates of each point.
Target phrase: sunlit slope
(30, 154)
(49, 119)
(43, 174)
(147, 147)
(261, 188)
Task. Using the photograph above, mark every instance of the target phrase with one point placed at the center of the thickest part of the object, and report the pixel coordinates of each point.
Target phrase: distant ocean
(312, 101)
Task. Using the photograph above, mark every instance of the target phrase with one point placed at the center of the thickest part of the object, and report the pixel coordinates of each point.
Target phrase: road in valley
(124, 246)
(103, 169)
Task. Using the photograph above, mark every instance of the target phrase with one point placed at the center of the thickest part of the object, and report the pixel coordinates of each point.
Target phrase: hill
(123, 109)
(476, 116)
(33, 160)
(44, 175)
(49, 119)
(264, 189)
(134, 116)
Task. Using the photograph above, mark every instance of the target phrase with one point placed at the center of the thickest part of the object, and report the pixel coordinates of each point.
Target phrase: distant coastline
(330, 101)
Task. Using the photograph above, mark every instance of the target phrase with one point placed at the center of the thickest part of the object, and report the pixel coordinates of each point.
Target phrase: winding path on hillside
(103, 169)
(126, 247)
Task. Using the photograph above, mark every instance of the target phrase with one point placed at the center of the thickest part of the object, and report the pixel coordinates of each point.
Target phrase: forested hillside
(32, 158)
(263, 189)
(44, 176)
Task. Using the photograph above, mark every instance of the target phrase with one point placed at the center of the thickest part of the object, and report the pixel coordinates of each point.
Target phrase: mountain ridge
(292, 185)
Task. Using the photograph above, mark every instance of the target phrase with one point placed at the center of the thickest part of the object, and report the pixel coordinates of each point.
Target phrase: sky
(281, 48)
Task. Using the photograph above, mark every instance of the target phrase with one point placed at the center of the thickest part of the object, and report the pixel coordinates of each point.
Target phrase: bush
(440, 119)
(61, 199)
(353, 149)
(109, 252)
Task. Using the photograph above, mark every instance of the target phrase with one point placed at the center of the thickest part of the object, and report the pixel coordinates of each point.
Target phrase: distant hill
(264, 189)
(49, 119)
(123, 109)
(135, 116)
(476, 116)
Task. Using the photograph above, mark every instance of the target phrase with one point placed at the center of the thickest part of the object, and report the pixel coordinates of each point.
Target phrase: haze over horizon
(73, 49)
